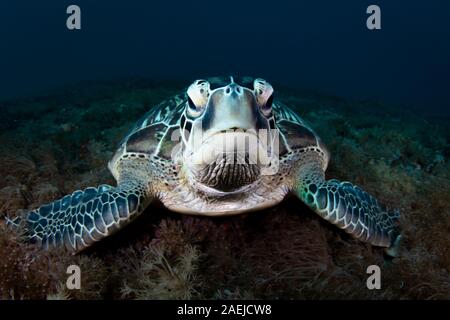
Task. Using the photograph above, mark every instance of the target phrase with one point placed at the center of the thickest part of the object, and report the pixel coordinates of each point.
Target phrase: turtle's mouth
(226, 175)
(228, 162)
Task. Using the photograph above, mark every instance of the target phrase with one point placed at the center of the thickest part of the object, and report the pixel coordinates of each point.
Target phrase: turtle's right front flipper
(78, 220)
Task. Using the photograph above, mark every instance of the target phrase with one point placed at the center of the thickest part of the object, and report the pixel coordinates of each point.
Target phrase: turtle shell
(152, 133)
(295, 133)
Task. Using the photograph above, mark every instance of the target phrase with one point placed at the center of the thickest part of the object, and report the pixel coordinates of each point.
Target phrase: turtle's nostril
(233, 88)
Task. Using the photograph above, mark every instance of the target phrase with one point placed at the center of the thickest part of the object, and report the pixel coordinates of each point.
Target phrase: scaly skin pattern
(86, 216)
(347, 206)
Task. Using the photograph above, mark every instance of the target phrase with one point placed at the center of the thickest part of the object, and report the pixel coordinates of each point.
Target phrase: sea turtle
(222, 147)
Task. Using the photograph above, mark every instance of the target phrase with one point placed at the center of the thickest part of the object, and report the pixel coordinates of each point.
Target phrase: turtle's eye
(198, 94)
(264, 95)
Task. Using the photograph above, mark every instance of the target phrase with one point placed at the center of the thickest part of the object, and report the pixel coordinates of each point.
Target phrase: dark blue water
(319, 45)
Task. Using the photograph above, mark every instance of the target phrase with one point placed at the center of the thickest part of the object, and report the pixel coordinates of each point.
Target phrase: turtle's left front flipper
(349, 207)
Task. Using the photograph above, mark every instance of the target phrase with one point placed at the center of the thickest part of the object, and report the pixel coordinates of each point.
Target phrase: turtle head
(230, 136)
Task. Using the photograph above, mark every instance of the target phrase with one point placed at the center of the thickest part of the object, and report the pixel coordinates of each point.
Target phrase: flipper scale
(81, 218)
(349, 207)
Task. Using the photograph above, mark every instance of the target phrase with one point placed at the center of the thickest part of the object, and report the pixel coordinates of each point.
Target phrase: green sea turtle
(222, 147)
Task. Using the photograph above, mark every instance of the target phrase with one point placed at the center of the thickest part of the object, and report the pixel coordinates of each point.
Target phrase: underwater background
(380, 101)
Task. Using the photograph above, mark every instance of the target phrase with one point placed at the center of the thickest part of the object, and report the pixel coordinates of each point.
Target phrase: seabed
(53, 145)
